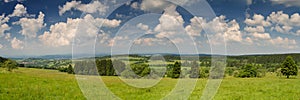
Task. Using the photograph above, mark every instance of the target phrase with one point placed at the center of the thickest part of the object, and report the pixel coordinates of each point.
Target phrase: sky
(234, 27)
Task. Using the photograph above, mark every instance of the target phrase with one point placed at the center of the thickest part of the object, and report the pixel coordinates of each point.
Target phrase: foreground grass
(30, 84)
(50, 84)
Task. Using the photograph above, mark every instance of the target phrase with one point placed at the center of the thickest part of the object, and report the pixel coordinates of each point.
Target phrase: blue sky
(47, 27)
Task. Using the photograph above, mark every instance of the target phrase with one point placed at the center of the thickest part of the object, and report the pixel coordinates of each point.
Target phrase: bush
(10, 65)
(251, 70)
(176, 70)
(203, 73)
(136, 71)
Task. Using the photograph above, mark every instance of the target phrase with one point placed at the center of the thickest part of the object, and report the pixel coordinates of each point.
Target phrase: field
(28, 83)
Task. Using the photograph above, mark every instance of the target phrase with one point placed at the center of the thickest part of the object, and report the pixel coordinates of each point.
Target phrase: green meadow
(40, 84)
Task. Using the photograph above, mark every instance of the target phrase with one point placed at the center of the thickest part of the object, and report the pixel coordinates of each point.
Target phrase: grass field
(51, 84)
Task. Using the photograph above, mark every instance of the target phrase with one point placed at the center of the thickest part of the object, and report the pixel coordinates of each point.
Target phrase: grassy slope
(48, 84)
(38, 84)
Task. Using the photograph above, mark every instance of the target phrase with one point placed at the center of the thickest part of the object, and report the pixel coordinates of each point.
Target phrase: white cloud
(94, 7)
(258, 20)
(171, 23)
(222, 30)
(195, 28)
(154, 5)
(19, 11)
(30, 26)
(284, 42)
(261, 35)
(117, 40)
(259, 29)
(233, 32)
(63, 33)
(278, 18)
(17, 44)
(283, 29)
(295, 19)
(143, 26)
(284, 23)
(277, 21)
(3, 26)
(287, 3)
(1, 46)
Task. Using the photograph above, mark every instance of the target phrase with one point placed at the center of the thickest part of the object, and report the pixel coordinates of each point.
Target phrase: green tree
(10, 65)
(289, 67)
(176, 70)
(248, 70)
(70, 70)
(141, 69)
(136, 71)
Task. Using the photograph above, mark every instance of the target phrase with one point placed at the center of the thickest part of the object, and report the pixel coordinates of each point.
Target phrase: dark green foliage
(176, 70)
(230, 71)
(203, 72)
(140, 69)
(289, 67)
(250, 70)
(107, 67)
(10, 65)
(169, 70)
(194, 70)
(70, 70)
(136, 71)
(62, 69)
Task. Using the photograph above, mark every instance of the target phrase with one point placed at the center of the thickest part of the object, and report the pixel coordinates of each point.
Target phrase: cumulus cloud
(62, 33)
(1, 46)
(258, 20)
(3, 26)
(17, 44)
(284, 42)
(287, 3)
(154, 5)
(284, 23)
(195, 28)
(258, 29)
(94, 7)
(171, 23)
(143, 27)
(19, 11)
(222, 30)
(233, 32)
(30, 26)
(261, 35)
(277, 21)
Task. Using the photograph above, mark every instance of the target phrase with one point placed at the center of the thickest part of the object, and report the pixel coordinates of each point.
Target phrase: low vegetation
(243, 77)
(28, 83)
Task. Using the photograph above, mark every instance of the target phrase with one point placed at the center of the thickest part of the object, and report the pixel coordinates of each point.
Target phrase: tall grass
(50, 84)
